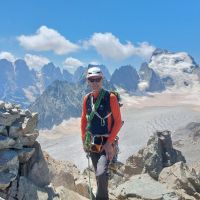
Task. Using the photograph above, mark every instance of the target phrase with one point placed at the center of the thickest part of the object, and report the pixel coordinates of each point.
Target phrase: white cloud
(143, 85)
(144, 50)
(29, 93)
(7, 55)
(72, 64)
(47, 39)
(36, 62)
(109, 46)
(94, 63)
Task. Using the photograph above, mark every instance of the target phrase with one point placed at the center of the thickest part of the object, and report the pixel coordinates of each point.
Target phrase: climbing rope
(89, 177)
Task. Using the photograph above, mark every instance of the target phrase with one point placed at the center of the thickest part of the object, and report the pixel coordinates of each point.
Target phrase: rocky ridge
(25, 171)
(157, 172)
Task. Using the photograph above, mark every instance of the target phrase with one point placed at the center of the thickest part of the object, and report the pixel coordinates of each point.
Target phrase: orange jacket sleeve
(83, 118)
(115, 109)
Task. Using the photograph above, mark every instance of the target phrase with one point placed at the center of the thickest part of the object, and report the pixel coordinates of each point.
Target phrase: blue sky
(110, 32)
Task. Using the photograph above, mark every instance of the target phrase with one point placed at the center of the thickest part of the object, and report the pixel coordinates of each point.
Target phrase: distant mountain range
(61, 100)
(57, 95)
(21, 85)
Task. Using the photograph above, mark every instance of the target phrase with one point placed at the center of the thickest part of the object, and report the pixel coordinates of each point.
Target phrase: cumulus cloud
(143, 85)
(36, 62)
(7, 55)
(144, 50)
(94, 62)
(109, 46)
(72, 64)
(47, 39)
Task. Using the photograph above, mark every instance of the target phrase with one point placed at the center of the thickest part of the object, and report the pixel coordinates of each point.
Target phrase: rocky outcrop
(196, 166)
(26, 172)
(182, 179)
(145, 175)
(158, 153)
(17, 136)
(194, 129)
(144, 187)
(158, 171)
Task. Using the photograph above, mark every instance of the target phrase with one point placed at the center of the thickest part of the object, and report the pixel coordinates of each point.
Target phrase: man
(102, 127)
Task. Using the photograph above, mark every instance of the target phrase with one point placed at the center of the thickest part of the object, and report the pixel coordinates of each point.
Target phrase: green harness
(87, 141)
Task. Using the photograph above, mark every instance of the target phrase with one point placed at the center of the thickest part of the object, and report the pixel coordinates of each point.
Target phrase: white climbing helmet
(94, 72)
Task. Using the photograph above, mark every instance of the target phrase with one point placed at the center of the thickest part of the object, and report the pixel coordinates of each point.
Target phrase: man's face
(95, 83)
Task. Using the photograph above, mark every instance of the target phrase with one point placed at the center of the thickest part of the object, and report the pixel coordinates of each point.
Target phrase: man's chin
(96, 90)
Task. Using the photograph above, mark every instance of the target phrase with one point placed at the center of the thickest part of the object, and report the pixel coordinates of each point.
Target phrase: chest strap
(97, 114)
(102, 119)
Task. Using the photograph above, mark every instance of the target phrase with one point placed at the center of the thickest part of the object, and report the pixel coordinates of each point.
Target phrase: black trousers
(100, 165)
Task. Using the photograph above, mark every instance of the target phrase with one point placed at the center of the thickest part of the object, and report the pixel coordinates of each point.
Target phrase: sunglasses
(92, 80)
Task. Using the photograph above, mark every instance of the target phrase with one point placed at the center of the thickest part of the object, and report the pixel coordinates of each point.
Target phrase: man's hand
(109, 151)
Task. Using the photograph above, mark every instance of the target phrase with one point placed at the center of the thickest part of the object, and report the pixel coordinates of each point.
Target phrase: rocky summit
(25, 171)
(157, 172)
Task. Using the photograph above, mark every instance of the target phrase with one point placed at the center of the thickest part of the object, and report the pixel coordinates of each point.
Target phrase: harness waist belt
(99, 135)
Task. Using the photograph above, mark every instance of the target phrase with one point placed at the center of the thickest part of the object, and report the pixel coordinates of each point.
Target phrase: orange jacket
(114, 105)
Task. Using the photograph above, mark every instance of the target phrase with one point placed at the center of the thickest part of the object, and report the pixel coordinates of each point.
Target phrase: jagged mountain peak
(149, 80)
(67, 76)
(178, 66)
(165, 70)
(20, 62)
(61, 100)
(21, 65)
(179, 60)
(126, 67)
(5, 63)
(50, 66)
(79, 73)
(125, 77)
(158, 51)
(143, 66)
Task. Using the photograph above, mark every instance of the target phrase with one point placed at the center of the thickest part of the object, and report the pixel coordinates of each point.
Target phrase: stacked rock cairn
(18, 134)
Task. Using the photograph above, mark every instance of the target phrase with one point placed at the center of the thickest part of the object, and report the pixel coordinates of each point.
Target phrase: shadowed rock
(144, 187)
(9, 161)
(6, 179)
(7, 119)
(29, 138)
(180, 177)
(28, 191)
(25, 154)
(6, 142)
(158, 153)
